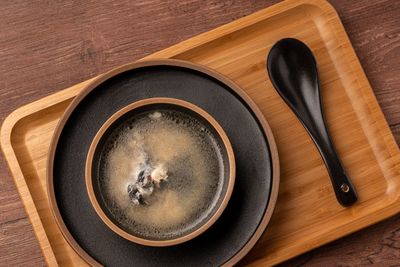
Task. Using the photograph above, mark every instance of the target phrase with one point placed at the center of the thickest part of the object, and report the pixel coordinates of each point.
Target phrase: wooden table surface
(46, 46)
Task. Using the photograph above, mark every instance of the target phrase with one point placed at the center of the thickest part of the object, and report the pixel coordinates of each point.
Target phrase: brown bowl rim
(165, 62)
(225, 197)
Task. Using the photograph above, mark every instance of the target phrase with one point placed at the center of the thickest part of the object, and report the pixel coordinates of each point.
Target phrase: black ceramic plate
(254, 193)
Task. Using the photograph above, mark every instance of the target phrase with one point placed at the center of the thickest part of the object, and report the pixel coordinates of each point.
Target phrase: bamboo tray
(307, 214)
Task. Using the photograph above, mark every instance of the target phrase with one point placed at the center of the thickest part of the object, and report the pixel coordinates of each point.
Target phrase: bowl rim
(225, 195)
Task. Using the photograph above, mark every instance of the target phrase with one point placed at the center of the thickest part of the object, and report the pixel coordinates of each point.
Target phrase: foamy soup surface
(161, 174)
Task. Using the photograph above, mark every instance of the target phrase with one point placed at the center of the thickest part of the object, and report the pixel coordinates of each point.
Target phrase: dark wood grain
(46, 46)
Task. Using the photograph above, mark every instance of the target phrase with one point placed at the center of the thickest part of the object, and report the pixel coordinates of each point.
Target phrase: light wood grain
(26, 154)
(238, 50)
(45, 48)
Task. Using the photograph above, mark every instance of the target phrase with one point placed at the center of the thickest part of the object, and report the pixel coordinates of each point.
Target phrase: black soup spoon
(292, 69)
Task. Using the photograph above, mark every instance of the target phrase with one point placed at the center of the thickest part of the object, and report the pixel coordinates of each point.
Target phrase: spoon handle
(344, 189)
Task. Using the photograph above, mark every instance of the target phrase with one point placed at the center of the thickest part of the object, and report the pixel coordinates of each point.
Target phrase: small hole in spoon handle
(345, 188)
